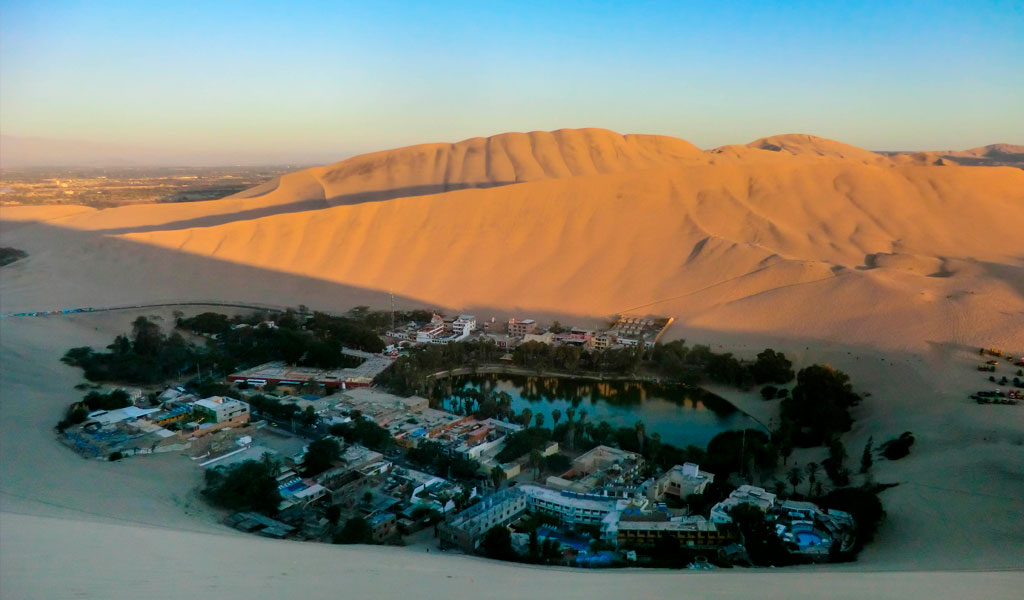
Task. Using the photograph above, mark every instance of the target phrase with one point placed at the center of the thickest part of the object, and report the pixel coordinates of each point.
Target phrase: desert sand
(891, 269)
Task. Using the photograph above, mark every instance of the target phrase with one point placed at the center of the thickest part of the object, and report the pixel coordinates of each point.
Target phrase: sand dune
(893, 268)
(590, 222)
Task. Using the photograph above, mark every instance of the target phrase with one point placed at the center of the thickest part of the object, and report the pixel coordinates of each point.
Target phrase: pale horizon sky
(321, 81)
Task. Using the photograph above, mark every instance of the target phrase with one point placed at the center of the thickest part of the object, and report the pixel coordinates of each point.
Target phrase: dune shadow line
(311, 204)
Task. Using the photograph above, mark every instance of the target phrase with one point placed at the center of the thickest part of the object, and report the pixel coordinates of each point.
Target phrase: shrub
(897, 448)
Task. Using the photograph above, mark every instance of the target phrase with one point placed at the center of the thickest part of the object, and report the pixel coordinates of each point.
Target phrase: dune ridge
(591, 222)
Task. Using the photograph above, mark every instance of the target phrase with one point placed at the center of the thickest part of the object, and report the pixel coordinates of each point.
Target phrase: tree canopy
(819, 407)
(248, 485)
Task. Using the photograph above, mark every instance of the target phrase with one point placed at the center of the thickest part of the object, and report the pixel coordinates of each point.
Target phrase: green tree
(795, 475)
(866, 458)
(497, 476)
(759, 538)
(249, 485)
(146, 337)
(556, 415)
(309, 416)
(812, 475)
(539, 419)
(536, 461)
(320, 456)
(772, 367)
(497, 544)
(355, 531)
(819, 407)
(641, 434)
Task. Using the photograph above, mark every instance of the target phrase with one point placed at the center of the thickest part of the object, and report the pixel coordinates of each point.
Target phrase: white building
(681, 481)
(469, 527)
(219, 409)
(745, 494)
(462, 326)
(572, 508)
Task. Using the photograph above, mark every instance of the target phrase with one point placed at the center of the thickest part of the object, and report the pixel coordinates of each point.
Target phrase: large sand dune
(789, 234)
(891, 267)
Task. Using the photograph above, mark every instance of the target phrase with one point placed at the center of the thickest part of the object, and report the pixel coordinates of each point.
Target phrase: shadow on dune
(214, 220)
(410, 191)
(305, 205)
(1011, 275)
(72, 268)
(68, 268)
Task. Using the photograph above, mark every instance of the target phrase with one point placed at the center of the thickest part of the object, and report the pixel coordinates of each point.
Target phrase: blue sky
(334, 79)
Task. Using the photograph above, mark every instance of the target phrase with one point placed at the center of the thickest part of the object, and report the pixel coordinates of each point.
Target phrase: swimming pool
(807, 538)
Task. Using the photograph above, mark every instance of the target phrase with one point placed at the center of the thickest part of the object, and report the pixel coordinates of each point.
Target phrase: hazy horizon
(258, 84)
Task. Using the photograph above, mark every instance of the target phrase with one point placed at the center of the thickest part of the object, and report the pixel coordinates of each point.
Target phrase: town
(317, 449)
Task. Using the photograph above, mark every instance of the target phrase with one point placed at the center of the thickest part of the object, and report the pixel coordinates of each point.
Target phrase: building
(680, 481)
(470, 526)
(463, 325)
(692, 532)
(431, 331)
(544, 338)
(296, 491)
(745, 494)
(633, 328)
(118, 415)
(518, 328)
(408, 420)
(502, 340)
(382, 526)
(601, 341)
(282, 374)
(173, 415)
(603, 469)
(575, 509)
(221, 409)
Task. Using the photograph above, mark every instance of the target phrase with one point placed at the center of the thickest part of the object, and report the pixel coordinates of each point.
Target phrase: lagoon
(681, 415)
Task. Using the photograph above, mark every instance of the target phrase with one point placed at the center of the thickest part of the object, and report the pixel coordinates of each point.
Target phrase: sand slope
(790, 234)
(892, 268)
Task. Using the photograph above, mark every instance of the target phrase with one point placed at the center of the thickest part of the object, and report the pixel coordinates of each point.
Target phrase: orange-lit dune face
(789, 235)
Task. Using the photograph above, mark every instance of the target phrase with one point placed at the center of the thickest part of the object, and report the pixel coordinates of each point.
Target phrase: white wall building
(745, 494)
(572, 508)
(463, 325)
(220, 408)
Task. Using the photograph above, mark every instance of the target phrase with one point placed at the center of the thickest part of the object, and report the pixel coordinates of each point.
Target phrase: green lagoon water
(681, 415)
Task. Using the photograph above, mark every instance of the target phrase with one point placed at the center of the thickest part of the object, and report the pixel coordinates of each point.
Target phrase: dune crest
(814, 238)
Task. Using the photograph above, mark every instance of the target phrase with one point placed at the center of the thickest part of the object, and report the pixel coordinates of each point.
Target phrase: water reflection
(681, 415)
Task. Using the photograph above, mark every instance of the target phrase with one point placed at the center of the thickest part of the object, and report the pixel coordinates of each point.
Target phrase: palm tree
(555, 416)
(536, 460)
(571, 434)
(795, 476)
(497, 476)
(641, 434)
(525, 417)
(539, 419)
(812, 475)
(779, 487)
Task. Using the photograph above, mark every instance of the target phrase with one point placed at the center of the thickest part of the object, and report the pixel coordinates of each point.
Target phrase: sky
(279, 81)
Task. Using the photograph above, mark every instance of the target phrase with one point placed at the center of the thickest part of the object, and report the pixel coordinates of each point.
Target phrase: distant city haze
(182, 83)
